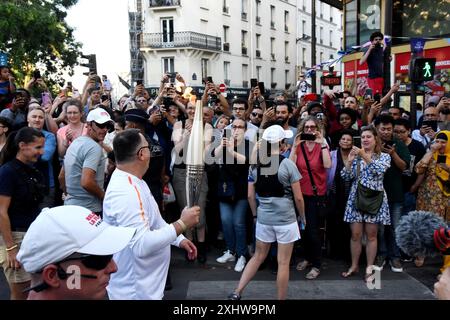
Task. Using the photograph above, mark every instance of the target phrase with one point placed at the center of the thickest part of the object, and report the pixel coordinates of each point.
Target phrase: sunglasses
(91, 261)
(103, 125)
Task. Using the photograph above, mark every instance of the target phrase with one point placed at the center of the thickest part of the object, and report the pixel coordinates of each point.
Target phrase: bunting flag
(124, 83)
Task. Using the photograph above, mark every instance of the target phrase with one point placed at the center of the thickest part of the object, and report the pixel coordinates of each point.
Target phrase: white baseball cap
(99, 115)
(276, 133)
(61, 231)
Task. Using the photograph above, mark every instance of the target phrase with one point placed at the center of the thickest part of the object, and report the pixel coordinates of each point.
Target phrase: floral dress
(371, 176)
(429, 196)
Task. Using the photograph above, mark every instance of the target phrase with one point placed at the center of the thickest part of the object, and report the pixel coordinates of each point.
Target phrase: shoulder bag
(368, 201)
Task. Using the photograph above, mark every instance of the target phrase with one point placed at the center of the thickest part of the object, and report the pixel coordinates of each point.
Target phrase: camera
(212, 99)
(36, 74)
(320, 115)
(167, 101)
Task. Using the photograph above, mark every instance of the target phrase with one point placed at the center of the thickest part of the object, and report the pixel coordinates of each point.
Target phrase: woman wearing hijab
(434, 192)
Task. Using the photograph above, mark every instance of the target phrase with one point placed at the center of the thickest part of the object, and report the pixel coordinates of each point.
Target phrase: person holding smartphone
(425, 134)
(400, 160)
(312, 156)
(434, 192)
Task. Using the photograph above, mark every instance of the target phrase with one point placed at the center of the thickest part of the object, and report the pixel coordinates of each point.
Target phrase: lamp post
(313, 44)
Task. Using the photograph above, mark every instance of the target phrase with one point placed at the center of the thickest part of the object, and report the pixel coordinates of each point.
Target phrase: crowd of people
(276, 171)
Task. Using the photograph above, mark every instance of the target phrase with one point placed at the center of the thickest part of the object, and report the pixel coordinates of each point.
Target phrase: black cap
(137, 116)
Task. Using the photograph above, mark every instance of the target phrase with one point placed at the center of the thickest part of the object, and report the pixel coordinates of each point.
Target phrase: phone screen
(441, 158)
(261, 88)
(357, 142)
(227, 133)
(253, 82)
(307, 137)
(209, 79)
(368, 93)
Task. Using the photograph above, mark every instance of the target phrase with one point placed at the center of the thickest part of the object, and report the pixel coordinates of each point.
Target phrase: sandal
(313, 274)
(302, 265)
(349, 273)
(369, 277)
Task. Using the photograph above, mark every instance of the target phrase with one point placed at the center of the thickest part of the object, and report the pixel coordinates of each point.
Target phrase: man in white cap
(68, 251)
(82, 175)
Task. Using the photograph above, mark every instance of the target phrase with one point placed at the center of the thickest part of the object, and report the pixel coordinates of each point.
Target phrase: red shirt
(318, 171)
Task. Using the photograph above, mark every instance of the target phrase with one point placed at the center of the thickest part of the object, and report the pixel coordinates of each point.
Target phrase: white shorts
(282, 234)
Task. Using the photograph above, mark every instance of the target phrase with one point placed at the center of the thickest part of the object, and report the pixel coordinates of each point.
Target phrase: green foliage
(34, 33)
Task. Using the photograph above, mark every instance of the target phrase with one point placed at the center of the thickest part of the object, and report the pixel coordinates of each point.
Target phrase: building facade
(234, 40)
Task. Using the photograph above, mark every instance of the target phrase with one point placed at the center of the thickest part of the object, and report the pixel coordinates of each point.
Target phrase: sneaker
(234, 296)
(226, 257)
(379, 263)
(240, 264)
(396, 265)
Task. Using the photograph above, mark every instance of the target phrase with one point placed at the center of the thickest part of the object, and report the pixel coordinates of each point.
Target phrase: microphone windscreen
(414, 233)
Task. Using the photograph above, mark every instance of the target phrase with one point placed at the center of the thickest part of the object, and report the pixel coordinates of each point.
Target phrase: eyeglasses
(91, 261)
(141, 148)
(310, 127)
(238, 127)
(259, 115)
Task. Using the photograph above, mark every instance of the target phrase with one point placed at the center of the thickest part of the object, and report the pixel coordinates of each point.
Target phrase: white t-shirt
(144, 263)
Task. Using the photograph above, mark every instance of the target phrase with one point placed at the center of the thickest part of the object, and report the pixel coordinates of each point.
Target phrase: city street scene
(225, 150)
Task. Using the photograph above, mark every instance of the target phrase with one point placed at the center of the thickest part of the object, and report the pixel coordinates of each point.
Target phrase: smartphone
(339, 95)
(377, 97)
(433, 124)
(357, 141)
(172, 76)
(253, 83)
(209, 79)
(441, 158)
(389, 143)
(46, 98)
(262, 89)
(368, 93)
(36, 74)
(226, 133)
(104, 97)
(139, 82)
(307, 137)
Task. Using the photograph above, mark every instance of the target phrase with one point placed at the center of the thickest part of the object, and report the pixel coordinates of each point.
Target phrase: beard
(281, 122)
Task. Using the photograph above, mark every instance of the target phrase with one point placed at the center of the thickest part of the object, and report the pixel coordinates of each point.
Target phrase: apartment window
(245, 75)
(243, 39)
(321, 57)
(168, 64)
(226, 70)
(286, 51)
(321, 35)
(272, 48)
(244, 9)
(258, 41)
(331, 38)
(272, 75)
(167, 29)
(331, 56)
(226, 29)
(304, 27)
(286, 79)
(204, 67)
(272, 17)
(286, 21)
(304, 5)
(321, 9)
(304, 57)
(258, 73)
(225, 9)
(257, 7)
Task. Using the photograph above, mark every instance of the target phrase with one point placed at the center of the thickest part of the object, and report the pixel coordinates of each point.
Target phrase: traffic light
(422, 69)
(91, 64)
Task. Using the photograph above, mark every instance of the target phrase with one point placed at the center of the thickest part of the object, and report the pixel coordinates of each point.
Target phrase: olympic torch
(194, 158)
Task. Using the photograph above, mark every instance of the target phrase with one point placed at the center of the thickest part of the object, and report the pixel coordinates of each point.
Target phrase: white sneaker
(227, 256)
(240, 264)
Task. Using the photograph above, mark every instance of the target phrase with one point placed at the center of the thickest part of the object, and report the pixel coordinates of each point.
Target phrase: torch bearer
(194, 158)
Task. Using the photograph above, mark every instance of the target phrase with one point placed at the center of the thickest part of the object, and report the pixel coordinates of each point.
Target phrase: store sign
(330, 81)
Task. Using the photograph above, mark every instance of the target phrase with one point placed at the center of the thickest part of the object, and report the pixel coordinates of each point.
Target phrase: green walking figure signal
(427, 69)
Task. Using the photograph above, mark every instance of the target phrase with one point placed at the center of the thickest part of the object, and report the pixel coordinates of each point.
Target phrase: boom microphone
(423, 234)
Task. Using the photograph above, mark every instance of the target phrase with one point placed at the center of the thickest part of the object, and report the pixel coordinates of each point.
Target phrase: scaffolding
(135, 23)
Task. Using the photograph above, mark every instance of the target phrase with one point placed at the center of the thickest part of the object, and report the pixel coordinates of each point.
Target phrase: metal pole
(387, 53)
(313, 44)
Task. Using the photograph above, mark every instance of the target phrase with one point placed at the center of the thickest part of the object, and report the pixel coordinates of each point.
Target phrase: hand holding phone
(307, 137)
(441, 158)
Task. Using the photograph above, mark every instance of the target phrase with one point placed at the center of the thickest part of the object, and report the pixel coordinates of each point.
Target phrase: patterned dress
(429, 196)
(371, 176)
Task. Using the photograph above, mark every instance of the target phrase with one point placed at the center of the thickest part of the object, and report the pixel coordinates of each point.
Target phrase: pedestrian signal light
(422, 69)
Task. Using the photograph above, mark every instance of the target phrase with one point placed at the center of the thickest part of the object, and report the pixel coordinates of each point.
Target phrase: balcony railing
(186, 39)
(164, 3)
